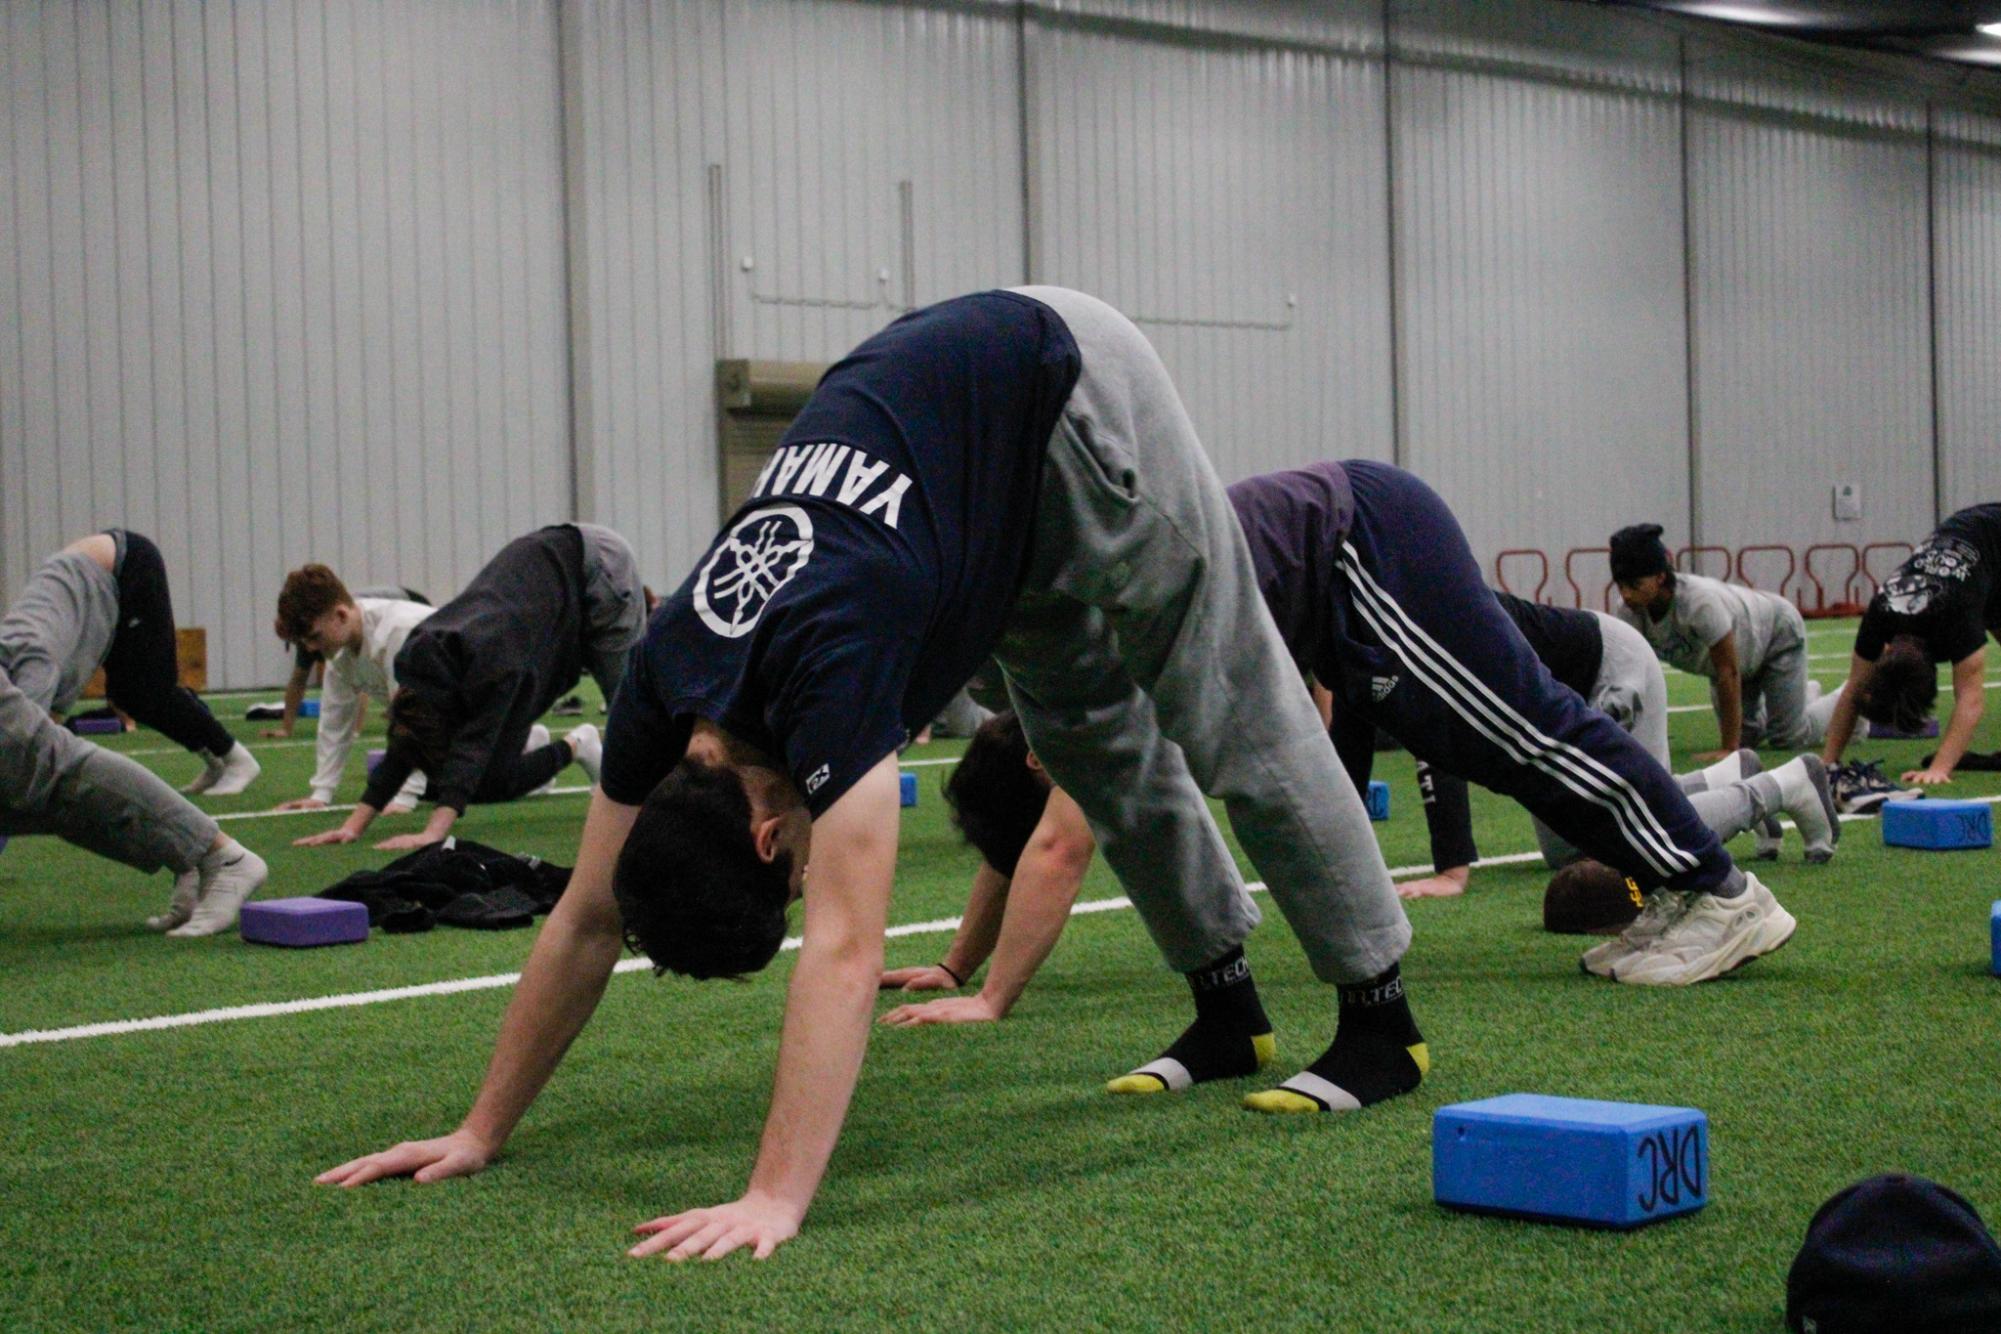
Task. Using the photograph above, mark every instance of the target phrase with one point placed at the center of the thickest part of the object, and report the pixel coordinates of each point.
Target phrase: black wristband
(956, 979)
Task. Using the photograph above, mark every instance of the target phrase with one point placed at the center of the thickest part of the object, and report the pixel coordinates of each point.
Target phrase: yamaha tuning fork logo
(755, 559)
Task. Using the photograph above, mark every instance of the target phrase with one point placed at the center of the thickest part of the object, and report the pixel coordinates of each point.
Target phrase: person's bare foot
(1447, 884)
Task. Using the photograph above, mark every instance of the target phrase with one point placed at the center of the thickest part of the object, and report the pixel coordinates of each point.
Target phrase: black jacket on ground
(497, 657)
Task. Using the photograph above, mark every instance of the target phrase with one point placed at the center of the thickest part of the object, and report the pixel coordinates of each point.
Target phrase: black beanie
(1638, 552)
(1895, 1253)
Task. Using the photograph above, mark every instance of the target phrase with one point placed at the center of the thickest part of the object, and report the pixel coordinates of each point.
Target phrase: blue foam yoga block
(1570, 1160)
(309, 708)
(1938, 825)
(1378, 800)
(1885, 732)
(302, 922)
(376, 757)
(99, 727)
(1993, 929)
(907, 784)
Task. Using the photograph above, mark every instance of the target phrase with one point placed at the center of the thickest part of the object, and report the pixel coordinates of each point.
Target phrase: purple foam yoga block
(98, 727)
(1885, 732)
(376, 757)
(300, 922)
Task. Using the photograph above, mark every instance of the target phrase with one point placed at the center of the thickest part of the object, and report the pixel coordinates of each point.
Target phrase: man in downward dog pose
(54, 782)
(1939, 607)
(1608, 663)
(1009, 474)
(102, 601)
(474, 675)
(1377, 594)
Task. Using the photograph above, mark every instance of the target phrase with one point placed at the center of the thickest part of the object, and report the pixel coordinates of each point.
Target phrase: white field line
(247, 745)
(1704, 708)
(495, 981)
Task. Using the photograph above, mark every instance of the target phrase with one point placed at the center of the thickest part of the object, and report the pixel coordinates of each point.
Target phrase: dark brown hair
(310, 592)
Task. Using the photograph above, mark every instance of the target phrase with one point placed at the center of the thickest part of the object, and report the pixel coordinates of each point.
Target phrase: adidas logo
(1381, 686)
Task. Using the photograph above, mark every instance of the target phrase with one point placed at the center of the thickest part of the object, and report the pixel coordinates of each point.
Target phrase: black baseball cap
(1895, 1253)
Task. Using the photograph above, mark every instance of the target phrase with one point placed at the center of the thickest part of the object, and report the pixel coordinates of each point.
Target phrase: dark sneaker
(1861, 789)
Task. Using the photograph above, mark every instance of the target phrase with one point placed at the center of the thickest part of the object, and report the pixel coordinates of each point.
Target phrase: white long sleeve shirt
(369, 671)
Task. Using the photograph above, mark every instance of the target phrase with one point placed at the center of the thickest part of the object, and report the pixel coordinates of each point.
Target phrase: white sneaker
(1711, 937)
(228, 877)
(1806, 796)
(187, 888)
(236, 771)
(538, 737)
(212, 767)
(588, 743)
(1664, 907)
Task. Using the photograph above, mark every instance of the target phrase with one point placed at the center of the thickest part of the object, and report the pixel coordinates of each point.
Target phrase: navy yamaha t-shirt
(1948, 594)
(870, 572)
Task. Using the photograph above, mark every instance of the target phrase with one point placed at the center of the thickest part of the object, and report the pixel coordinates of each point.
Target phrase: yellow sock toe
(1266, 1046)
(1280, 1102)
(1137, 1083)
(1421, 1053)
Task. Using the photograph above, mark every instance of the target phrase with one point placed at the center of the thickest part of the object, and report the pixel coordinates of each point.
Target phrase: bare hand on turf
(341, 835)
(1928, 777)
(929, 977)
(758, 1222)
(408, 842)
(951, 1010)
(301, 804)
(455, 1155)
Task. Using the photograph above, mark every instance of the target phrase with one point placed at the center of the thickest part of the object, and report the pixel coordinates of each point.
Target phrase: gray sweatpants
(614, 605)
(53, 782)
(1147, 671)
(1778, 710)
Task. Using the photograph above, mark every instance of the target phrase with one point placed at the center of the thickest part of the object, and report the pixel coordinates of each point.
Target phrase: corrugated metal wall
(773, 179)
(1966, 193)
(283, 282)
(1216, 171)
(1811, 307)
(257, 258)
(1542, 338)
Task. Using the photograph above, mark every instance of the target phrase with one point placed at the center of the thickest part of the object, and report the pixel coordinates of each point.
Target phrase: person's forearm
(1730, 711)
(1967, 706)
(560, 987)
(562, 982)
(441, 822)
(828, 1014)
(362, 816)
(1038, 908)
(295, 696)
(1841, 724)
(981, 926)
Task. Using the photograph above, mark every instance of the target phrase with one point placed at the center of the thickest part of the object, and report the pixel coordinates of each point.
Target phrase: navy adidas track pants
(1424, 651)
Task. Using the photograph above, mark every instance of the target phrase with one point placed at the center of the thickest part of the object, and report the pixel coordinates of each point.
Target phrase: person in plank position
(356, 637)
(102, 601)
(1009, 474)
(475, 674)
(1939, 607)
(1612, 667)
(1377, 595)
(309, 666)
(1750, 644)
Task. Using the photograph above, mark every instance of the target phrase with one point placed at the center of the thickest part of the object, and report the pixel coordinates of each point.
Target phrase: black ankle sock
(1377, 1051)
(1230, 1038)
(1226, 999)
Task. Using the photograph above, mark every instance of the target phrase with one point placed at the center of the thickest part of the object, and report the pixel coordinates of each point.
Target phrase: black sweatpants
(142, 670)
(1430, 656)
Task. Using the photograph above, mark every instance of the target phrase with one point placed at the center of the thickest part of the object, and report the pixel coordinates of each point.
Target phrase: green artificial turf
(162, 1179)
